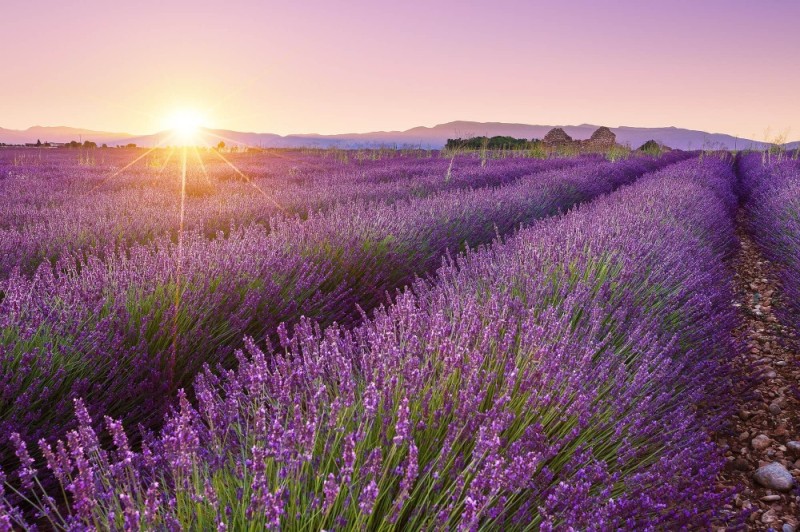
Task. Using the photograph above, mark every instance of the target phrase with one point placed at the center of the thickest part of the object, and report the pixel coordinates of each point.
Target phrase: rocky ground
(763, 441)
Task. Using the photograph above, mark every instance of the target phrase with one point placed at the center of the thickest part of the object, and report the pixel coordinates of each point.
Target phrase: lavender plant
(565, 377)
(772, 194)
(124, 331)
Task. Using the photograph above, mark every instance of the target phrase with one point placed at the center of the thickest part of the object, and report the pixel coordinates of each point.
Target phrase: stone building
(601, 141)
(557, 137)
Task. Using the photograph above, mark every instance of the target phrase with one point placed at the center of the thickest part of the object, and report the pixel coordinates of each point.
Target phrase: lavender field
(385, 339)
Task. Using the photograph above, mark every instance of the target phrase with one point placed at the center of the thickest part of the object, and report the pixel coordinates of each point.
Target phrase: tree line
(498, 142)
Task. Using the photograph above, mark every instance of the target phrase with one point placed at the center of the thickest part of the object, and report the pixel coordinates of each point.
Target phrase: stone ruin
(557, 137)
(601, 141)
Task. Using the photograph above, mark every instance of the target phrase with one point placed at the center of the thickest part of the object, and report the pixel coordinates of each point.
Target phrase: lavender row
(53, 204)
(564, 378)
(125, 332)
(772, 194)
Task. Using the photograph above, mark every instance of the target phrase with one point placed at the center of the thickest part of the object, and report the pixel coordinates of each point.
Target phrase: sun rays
(191, 164)
(178, 270)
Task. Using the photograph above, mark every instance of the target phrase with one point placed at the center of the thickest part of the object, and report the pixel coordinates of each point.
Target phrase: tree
(38, 142)
(651, 147)
(221, 146)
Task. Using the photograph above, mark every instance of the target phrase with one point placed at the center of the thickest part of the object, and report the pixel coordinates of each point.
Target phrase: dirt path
(764, 424)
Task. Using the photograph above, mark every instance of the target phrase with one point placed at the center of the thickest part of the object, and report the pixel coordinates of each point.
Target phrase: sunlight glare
(186, 125)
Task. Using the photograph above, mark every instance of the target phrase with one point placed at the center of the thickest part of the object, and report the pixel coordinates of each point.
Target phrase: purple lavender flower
(26, 471)
(369, 494)
(403, 426)
(330, 490)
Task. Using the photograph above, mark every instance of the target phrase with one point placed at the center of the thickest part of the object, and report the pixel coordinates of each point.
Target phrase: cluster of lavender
(126, 330)
(53, 205)
(563, 378)
(771, 190)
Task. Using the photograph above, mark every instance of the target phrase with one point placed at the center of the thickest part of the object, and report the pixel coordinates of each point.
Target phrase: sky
(303, 66)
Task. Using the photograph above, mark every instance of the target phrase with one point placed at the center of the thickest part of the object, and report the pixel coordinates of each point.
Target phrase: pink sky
(303, 66)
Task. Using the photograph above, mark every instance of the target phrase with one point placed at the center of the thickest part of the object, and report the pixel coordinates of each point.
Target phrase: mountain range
(424, 137)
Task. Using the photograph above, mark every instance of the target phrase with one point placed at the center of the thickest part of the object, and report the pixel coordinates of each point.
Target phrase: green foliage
(651, 147)
(491, 143)
(617, 152)
(87, 144)
(537, 150)
(567, 150)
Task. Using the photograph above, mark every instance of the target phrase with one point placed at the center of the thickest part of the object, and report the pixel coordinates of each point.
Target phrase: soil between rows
(768, 418)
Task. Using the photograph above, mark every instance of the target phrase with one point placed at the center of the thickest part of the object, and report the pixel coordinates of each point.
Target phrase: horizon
(186, 131)
(786, 139)
(332, 70)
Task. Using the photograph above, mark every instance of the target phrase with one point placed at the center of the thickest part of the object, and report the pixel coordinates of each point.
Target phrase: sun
(186, 125)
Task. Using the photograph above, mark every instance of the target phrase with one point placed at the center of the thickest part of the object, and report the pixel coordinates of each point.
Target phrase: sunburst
(186, 126)
(185, 132)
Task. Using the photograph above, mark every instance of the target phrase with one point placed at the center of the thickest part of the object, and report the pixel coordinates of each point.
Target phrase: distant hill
(792, 145)
(425, 137)
(59, 134)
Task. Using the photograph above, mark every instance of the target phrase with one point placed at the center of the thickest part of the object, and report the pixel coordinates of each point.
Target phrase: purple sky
(321, 66)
